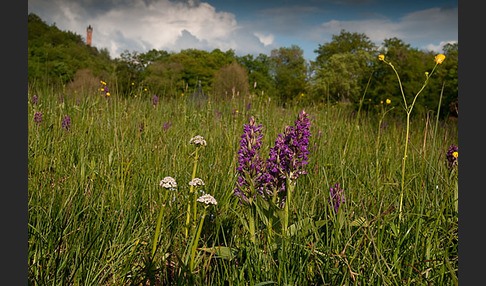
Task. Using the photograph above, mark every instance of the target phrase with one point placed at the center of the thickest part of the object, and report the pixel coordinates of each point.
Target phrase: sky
(249, 27)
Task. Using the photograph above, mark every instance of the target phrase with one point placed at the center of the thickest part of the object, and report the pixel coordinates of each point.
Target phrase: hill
(54, 56)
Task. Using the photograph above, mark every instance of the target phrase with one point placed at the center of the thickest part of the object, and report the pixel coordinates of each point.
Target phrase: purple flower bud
(155, 100)
(337, 197)
(66, 122)
(166, 125)
(34, 99)
(38, 117)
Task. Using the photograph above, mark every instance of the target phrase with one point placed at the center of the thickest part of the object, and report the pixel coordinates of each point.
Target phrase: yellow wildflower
(455, 154)
(388, 101)
(145, 89)
(381, 57)
(133, 83)
(381, 101)
(439, 59)
(107, 94)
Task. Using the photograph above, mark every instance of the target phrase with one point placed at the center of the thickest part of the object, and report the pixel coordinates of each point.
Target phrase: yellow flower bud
(439, 59)
(388, 101)
(381, 57)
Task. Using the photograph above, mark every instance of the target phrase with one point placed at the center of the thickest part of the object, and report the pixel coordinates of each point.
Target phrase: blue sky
(249, 27)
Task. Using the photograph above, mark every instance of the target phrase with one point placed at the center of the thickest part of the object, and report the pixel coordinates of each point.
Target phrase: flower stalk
(207, 200)
(199, 142)
(408, 109)
(168, 183)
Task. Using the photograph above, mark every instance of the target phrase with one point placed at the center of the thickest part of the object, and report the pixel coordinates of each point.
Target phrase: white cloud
(438, 48)
(158, 24)
(419, 28)
(264, 39)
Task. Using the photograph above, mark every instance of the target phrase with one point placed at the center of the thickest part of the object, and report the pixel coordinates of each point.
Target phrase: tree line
(343, 68)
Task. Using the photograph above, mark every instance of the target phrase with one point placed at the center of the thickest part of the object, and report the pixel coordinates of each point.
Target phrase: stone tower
(89, 32)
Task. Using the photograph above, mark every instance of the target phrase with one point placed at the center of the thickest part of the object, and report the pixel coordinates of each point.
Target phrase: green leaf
(265, 283)
(361, 221)
(42, 162)
(221, 251)
(303, 226)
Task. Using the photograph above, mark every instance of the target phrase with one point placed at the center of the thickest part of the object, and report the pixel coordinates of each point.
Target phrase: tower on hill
(89, 32)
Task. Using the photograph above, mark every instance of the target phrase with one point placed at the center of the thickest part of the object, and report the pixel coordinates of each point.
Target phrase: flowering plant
(275, 179)
(451, 155)
(337, 197)
(439, 59)
(66, 122)
(288, 157)
(250, 176)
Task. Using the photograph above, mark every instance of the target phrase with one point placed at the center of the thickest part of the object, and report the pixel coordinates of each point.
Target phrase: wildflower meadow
(244, 191)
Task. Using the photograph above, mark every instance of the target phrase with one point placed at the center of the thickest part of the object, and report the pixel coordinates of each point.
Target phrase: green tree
(342, 67)
(164, 77)
(345, 42)
(289, 70)
(231, 80)
(342, 76)
(259, 79)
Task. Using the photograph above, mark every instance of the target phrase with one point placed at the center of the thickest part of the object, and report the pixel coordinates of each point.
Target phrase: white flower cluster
(198, 140)
(207, 199)
(196, 182)
(168, 183)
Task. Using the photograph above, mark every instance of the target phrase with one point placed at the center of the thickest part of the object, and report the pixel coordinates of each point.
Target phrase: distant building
(89, 32)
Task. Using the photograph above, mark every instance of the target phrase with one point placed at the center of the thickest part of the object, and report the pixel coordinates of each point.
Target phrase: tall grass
(94, 196)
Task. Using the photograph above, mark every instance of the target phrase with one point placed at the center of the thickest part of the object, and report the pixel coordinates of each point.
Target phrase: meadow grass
(94, 196)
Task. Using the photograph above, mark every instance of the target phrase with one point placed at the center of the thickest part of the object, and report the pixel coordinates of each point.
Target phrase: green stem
(157, 231)
(191, 190)
(196, 157)
(400, 84)
(402, 186)
(196, 240)
(438, 112)
(159, 224)
(270, 220)
(251, 224)
(290, 189)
